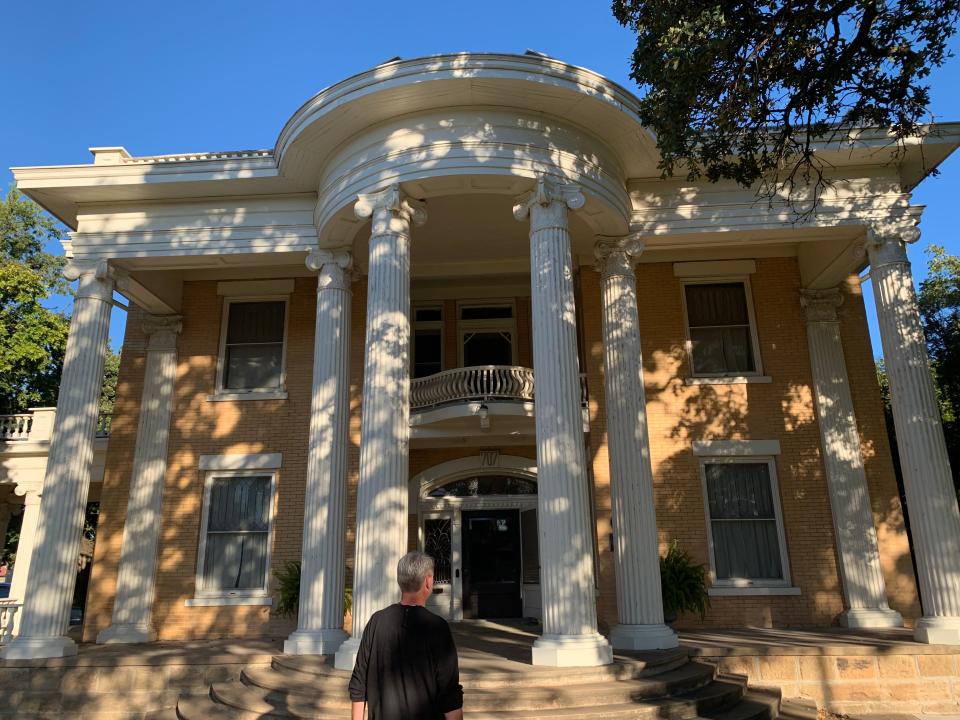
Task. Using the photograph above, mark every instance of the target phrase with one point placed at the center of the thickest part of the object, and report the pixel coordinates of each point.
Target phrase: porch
(841, 670)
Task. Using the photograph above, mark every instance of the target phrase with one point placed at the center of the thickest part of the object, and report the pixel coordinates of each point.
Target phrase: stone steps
(665, 687)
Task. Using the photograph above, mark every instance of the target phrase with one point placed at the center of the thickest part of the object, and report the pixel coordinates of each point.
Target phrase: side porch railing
(8, 611)
(37, 426)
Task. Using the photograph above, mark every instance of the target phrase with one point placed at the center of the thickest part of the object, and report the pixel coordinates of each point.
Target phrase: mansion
(457, 308)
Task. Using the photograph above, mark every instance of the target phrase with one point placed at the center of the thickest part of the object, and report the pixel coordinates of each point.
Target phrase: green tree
(744, 90)
(939, 299)
(32, 337)
(108, 393)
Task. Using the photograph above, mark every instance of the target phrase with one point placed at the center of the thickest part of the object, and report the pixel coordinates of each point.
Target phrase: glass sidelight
(439, 538)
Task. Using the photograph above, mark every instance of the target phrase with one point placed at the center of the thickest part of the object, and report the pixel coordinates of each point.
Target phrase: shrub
(683, 583)
(288, 587)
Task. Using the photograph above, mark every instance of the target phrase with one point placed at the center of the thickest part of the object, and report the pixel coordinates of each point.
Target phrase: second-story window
(427, 341)
(253, 345)
(722, 336)
(487, 334)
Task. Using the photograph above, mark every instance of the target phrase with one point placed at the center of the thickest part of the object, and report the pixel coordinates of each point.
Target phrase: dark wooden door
(491, 564)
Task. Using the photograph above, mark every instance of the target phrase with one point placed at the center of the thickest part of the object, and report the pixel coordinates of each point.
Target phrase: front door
(491, 564)
(440, 541)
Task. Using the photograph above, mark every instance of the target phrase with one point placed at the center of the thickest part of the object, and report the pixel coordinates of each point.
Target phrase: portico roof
(528, 85)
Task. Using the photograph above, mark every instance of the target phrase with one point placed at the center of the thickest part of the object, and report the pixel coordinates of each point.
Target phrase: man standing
(406, 666)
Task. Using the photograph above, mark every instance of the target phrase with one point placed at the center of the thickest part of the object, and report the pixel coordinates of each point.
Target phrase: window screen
(719, 328)
(746, 543)
(238, 530)
(253, 356)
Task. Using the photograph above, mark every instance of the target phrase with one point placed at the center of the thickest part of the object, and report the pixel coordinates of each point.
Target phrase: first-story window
(746, 531)
(253, 345)
(235, 543)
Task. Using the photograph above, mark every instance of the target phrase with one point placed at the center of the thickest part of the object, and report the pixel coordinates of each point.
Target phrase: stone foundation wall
(898, 682)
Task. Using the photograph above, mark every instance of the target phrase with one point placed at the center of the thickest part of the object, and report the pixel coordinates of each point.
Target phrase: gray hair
(413, 569)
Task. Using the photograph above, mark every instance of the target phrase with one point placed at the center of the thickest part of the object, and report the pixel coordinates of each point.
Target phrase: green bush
(288, 587)
(683, 583)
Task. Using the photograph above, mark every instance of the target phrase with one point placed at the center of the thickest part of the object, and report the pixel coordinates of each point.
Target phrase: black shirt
(407, 666)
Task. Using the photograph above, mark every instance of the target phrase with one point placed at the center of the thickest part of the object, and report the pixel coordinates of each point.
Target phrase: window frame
(280, 391)
(751, 317)
(427, 325)
(770, 461)
(488, 325)
(264, 592)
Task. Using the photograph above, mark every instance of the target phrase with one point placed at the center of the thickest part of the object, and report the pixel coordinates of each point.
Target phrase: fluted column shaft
(385, 416)
(320, 627)
(636, 547)
(864, 588)
(563, 510)
(53, 567)
(28, 538)
(931, 503)
(136, 576)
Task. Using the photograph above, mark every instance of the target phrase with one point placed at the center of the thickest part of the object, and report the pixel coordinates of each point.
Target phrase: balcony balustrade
(479, 383)
(37, 426)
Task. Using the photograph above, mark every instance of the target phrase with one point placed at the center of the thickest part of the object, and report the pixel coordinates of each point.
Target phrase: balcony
(37, 426)
(477, 405)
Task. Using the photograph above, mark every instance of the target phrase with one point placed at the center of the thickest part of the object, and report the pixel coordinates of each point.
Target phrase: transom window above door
(487, 334)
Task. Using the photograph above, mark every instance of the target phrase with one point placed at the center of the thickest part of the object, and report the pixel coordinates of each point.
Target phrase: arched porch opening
(479, 523)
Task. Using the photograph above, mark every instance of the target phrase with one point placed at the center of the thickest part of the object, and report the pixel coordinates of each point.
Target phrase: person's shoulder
(432, 619)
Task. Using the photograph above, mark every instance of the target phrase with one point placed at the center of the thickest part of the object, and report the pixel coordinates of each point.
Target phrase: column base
(346, 656)
(870, 618)
(643, 637)
(32, 648)
(937, 630)
(124, 633)
(315, 642)
(572, 651)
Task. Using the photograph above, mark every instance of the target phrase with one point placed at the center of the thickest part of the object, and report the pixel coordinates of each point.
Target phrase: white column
(636, 546)
(136, 575)
(53, 574)
(385, 418)
(28, 538)
(570, 634)
(320, 627)
(931, 502)
(864, 589)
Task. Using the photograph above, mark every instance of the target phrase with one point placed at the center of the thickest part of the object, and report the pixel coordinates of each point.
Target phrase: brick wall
(678, 414)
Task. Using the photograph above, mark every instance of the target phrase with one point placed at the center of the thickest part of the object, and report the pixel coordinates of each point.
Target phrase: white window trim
(755, 375)
(490, 325)
(278, 393)
(428, 325)
(746, 586)
(232, 597)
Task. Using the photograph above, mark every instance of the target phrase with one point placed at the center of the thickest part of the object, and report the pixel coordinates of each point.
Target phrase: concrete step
(625, 699)
(756, 704)
(505, 673)
(204, 707)
(301, 688)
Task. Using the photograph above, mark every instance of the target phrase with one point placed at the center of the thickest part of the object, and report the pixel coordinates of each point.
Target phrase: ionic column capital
(162, 331)
(391, 203)
(617, 255)
(335, 267)
(97, 278)
(821, 305)
(29, 491)
(552, 199)
(887, 240)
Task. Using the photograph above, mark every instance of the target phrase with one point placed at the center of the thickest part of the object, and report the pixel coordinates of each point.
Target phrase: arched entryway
(478, 518)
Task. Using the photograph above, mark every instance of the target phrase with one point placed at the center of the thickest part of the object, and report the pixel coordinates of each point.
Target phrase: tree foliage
(32, 337)
(744, 90)
(939, 300)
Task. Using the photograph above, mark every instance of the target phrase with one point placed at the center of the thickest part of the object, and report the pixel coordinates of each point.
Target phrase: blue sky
(196, 76)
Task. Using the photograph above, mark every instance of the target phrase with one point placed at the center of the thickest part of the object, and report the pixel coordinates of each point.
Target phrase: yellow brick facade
(678, 414)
